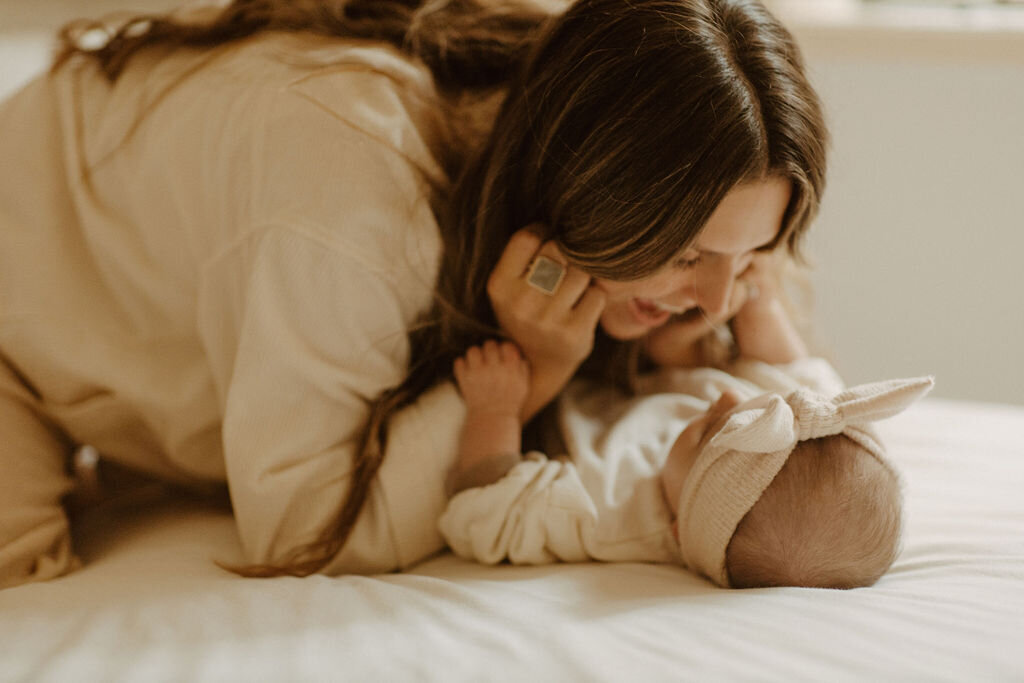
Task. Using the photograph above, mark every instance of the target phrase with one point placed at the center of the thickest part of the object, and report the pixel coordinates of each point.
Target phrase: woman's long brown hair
(624, 125)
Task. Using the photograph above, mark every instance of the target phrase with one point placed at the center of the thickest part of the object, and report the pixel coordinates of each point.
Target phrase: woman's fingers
(590, 307)
(523, 248)
(515, 259)
(552, 320)
(574, 285)
(572, 289)
(511, 291)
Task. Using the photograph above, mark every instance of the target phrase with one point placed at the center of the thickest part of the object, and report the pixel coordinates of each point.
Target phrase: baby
(784, 488)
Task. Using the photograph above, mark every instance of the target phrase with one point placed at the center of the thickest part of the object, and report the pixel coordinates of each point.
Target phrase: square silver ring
(545, 274)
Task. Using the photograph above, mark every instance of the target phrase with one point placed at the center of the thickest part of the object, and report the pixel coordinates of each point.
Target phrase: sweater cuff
(422, 446)
(481, 473)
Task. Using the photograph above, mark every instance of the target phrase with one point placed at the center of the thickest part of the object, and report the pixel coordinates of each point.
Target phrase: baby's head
(829, 519)
(790, 492)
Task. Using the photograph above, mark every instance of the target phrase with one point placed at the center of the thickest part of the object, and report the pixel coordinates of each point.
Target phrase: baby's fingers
(491, 352)
(474, 357)
(510, 353)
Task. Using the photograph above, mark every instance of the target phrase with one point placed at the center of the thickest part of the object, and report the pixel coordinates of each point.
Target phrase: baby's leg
(35, 542)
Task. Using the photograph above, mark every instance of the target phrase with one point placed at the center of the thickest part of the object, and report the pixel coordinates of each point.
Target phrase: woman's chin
(620, 336)
(625, 328)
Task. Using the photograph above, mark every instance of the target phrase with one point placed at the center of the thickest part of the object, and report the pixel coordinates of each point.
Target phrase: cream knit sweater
(208, 270)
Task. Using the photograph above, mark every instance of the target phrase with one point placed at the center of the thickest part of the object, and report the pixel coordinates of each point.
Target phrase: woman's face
(747, 219)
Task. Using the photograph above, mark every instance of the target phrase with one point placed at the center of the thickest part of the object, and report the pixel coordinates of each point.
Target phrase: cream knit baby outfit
(603, 500)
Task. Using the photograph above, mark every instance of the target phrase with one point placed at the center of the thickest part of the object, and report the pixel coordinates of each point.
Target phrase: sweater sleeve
(317, 335)
(538, 513)
(306, 313)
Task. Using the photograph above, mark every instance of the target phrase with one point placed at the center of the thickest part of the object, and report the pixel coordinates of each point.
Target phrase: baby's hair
(831, 518)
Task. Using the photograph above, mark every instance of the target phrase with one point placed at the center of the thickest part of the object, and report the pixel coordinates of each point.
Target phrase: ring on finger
(545, 275)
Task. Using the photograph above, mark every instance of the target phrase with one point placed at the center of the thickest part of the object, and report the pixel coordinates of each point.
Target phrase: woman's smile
(649, 313)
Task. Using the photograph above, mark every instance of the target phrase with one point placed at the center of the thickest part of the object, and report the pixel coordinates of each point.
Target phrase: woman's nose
(714, 285)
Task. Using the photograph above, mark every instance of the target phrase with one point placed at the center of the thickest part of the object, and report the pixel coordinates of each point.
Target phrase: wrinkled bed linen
(150, 605)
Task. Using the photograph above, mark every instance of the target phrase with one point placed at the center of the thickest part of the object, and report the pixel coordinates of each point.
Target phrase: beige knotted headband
(741, 460)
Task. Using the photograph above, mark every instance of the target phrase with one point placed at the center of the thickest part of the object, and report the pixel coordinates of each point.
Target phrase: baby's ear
(764, 426)
(880, 400)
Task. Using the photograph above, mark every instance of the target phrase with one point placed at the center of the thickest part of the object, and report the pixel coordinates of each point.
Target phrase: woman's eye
(687, 261)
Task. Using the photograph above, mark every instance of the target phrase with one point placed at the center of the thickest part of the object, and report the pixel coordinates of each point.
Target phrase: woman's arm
(304, 318)
(302, 337)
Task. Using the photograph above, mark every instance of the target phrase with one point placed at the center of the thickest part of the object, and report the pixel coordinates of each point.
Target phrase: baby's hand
(690, 443)
(493, 378)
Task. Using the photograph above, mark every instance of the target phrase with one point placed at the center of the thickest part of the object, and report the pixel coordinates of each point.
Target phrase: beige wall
(44, 14)
(920, 245)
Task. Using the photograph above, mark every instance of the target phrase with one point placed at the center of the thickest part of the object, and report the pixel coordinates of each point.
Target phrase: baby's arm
(527, 511)
(494, 381)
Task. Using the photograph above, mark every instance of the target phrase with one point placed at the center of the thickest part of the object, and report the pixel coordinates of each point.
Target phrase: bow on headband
(740, 461)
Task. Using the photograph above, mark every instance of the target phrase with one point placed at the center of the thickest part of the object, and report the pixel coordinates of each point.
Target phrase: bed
(151, 605)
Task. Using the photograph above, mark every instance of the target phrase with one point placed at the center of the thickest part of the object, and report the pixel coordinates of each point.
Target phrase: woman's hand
(555, 332)
(762, 328)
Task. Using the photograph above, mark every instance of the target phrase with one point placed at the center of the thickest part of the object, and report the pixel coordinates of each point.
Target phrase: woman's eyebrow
(767, 246)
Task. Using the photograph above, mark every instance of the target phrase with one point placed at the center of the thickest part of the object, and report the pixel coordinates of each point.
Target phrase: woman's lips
(649, 313)
(662, 306)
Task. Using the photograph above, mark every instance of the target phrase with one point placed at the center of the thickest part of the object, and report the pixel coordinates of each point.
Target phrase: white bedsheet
(151, 606)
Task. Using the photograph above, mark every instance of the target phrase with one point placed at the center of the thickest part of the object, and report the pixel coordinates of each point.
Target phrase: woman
(246, 245)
